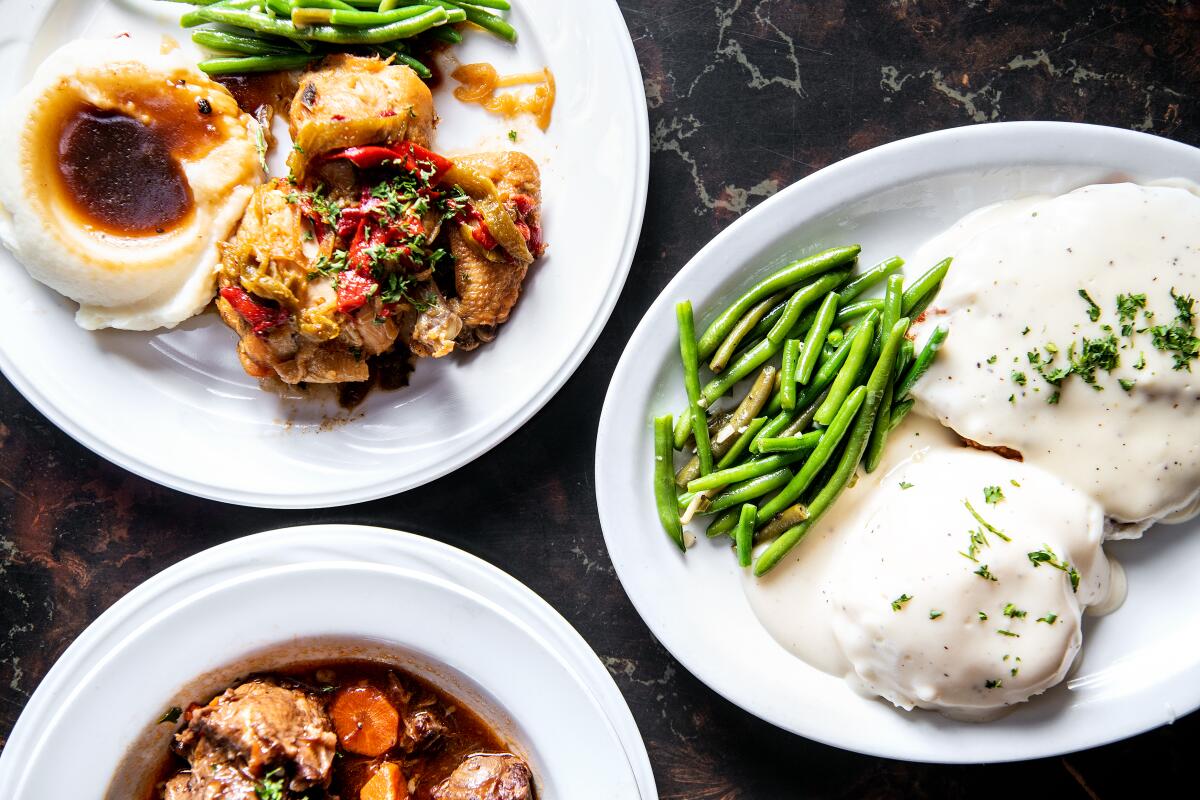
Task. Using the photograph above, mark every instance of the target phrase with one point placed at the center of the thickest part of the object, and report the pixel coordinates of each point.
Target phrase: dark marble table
(745, 98)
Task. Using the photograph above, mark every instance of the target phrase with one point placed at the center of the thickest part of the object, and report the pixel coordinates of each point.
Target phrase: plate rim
(607, 484)
(337, 543)
(113, 453)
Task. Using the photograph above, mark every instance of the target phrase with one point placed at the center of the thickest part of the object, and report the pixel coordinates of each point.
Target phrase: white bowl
(1140, 667)
(173, 405)
(188, 632)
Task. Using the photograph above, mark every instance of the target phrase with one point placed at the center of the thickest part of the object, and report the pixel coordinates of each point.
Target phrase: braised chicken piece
(339, 263)
(488, 280)
(253, 732)
(349, 100)
(487, 776)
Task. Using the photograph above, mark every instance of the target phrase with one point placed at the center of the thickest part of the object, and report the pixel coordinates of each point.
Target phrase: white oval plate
(173, 405)
(566, 713)
(1140, 667)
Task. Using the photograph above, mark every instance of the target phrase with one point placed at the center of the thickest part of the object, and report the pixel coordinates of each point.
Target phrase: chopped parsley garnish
(1093, 311)
(1127, 308)
(1178, 338)
(172, 714)
(934, 613)
(991, 359)
(990, 527)
(992, 494)
(1003, 632)
(1053, 399)
(272, 786)
(899, 602)
(512, 136)
(983, 616)
(985, 573)
(1141, 362)
(1012, 611)
(995, 684)
(1049, 619)
(1014, 483)
(1126, 384)
(1094, 354)
(1018, 378)
(1026, 331)
(1047, 556)
(1013, 672)
(905, 485)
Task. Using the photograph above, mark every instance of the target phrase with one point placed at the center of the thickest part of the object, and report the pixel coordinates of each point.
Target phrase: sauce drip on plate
(120, 174)
(479, 83)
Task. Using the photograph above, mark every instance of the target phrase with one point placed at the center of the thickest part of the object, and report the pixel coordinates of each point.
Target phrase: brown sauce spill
(273, 90)
(389, 371)
(479, 83)
(121, 174)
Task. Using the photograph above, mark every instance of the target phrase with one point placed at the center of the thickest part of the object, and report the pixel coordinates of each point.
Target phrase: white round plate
(550, 692)
(1140, 667)
(170, 405)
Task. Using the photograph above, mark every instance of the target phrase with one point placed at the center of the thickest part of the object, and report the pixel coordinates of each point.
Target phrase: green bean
(919, 308)
(795, 272)
(787, 379)
(924, 286)
(903, 359)
(500, 4)
(788, 444)
(815, 340)
(743, 441)
(899, 412)
(891, 313)
(750, 405)
(828, 369)
(444, 33)
(326, 4)
(756, 355)
(357, 19)
(851, 455)
(416, 66)
(745, 534)
(924, 359)
(790, 517)
(262, 23)
(804, 418)
(853, 311)
(847, 376)
(664, 482)
(753, 468)
(236, 43)
(865, 280)
(834, 337)
(748, 490)
(691, 382)
(195, 17)
(767, 322)
(829, 440)
(724, 522)
(490, 23)
(744, 326)
(238, 65)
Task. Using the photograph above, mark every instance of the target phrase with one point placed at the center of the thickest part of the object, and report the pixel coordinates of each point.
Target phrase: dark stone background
(745, 98)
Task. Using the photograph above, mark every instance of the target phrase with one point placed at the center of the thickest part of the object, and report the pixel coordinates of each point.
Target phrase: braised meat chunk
(254, 732)
(350, 101)
(487, 776)
(490, 266)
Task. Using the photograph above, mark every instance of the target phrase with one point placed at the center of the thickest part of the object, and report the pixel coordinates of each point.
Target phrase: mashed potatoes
(128, 168)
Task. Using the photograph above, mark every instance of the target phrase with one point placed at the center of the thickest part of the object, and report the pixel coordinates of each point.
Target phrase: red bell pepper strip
(260, 318)
(406, 154)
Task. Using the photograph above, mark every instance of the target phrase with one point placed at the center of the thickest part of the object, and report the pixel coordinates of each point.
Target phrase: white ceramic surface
(171, 405)
(1140, 667)
(500, 639)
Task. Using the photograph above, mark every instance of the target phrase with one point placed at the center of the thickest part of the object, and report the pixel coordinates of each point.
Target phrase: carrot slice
(365, 722)
(387, 783)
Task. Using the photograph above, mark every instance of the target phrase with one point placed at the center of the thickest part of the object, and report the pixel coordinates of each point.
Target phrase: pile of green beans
(769, 469)
(249, 36)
